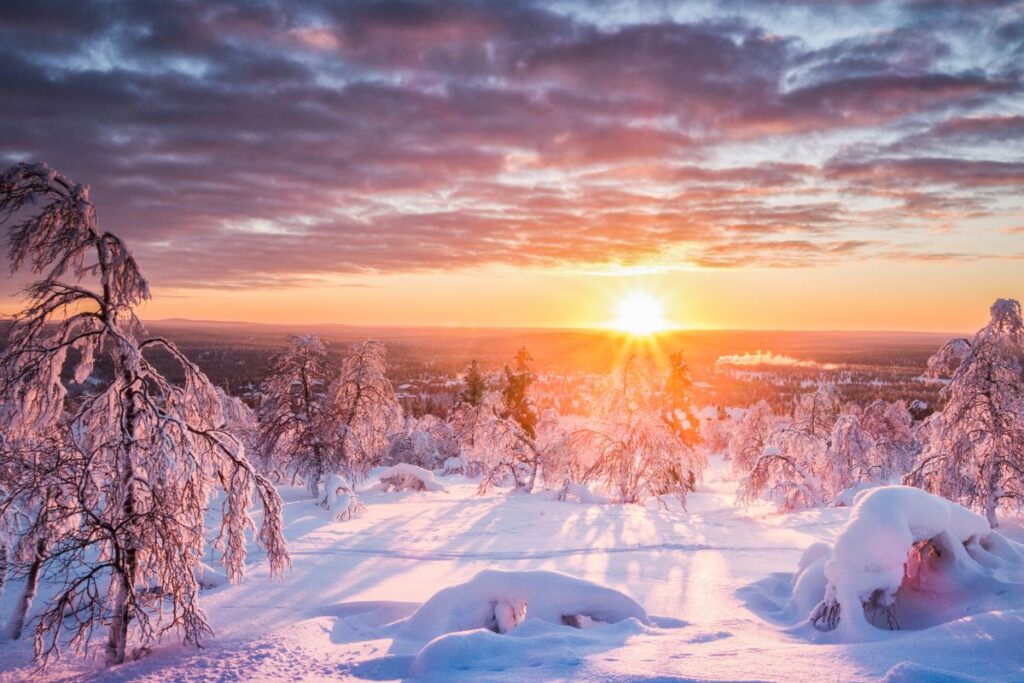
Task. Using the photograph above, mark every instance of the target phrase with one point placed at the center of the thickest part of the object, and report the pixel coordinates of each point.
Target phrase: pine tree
(515, 393)
(474, 386)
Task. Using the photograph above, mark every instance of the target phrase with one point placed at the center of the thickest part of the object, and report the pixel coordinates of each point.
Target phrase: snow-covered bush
(716, 430)
(427, 442)
(906, 559)
(340, 499)
(973, 451)
(406, 477)
(499, 600)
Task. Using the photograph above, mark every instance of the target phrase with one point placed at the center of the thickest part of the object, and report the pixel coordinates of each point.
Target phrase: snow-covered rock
(406, 477)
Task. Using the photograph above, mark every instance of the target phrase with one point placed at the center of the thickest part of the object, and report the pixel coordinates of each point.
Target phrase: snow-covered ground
(711, 579)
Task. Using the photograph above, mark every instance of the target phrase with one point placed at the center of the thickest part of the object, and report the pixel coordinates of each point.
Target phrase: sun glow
(639, 313)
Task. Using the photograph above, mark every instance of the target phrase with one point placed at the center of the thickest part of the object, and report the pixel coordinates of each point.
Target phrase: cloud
(238, 144)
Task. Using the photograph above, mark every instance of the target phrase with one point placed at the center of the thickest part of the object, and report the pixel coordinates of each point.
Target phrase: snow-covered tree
(643, 439)
(973, 451)
(295, 423)
(493, 445)
(36, 508)
(891, 428)
(363, 412)
(752, 436)
(792, 467)
(143, 455)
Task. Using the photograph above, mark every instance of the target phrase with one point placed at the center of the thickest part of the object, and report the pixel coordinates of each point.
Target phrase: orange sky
(858, 296)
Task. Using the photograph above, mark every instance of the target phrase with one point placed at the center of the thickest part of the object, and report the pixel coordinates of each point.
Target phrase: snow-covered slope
(712, 581)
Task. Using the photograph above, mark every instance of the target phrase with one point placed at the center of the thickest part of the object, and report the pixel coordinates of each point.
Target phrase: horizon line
(541, 328)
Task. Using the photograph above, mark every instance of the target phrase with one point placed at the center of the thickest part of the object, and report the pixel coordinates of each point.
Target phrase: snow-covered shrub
(499, 600)
(973, 451)
(406, 477)
(716, 429)
(580, 492)
(426, 442)
(340, 499)
(907, 559)
(455, 465)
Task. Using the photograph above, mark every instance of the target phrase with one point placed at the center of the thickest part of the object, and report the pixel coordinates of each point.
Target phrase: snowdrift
(906, 559)
(406, 477)
(500, 600)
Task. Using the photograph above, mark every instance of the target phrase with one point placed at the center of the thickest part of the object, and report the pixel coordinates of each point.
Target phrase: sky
(755, 165)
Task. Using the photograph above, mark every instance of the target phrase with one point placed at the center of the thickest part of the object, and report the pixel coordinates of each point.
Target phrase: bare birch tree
(144, 455)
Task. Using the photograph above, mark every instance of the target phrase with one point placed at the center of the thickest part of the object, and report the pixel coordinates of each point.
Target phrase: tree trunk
(990, 510)
(117, 639)
(3, 567)
(29, 594)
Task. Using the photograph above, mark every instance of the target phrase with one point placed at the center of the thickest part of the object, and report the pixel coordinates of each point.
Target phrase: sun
(639, 313)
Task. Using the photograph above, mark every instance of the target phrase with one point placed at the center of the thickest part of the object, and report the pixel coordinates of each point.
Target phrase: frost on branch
(908, 559)
(139, 460)
(491, 445)
(973, 451)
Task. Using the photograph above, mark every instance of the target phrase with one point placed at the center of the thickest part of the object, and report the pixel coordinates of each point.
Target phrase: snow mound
(209, 577)
(500, 600)
(907, 559)
(547, 650)
(582, 493)
(406, 477)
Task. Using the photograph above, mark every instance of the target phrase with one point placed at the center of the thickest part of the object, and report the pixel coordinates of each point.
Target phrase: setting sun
(640, 313)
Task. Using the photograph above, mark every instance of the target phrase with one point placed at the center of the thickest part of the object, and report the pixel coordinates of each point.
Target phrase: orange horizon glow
(862, 296)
